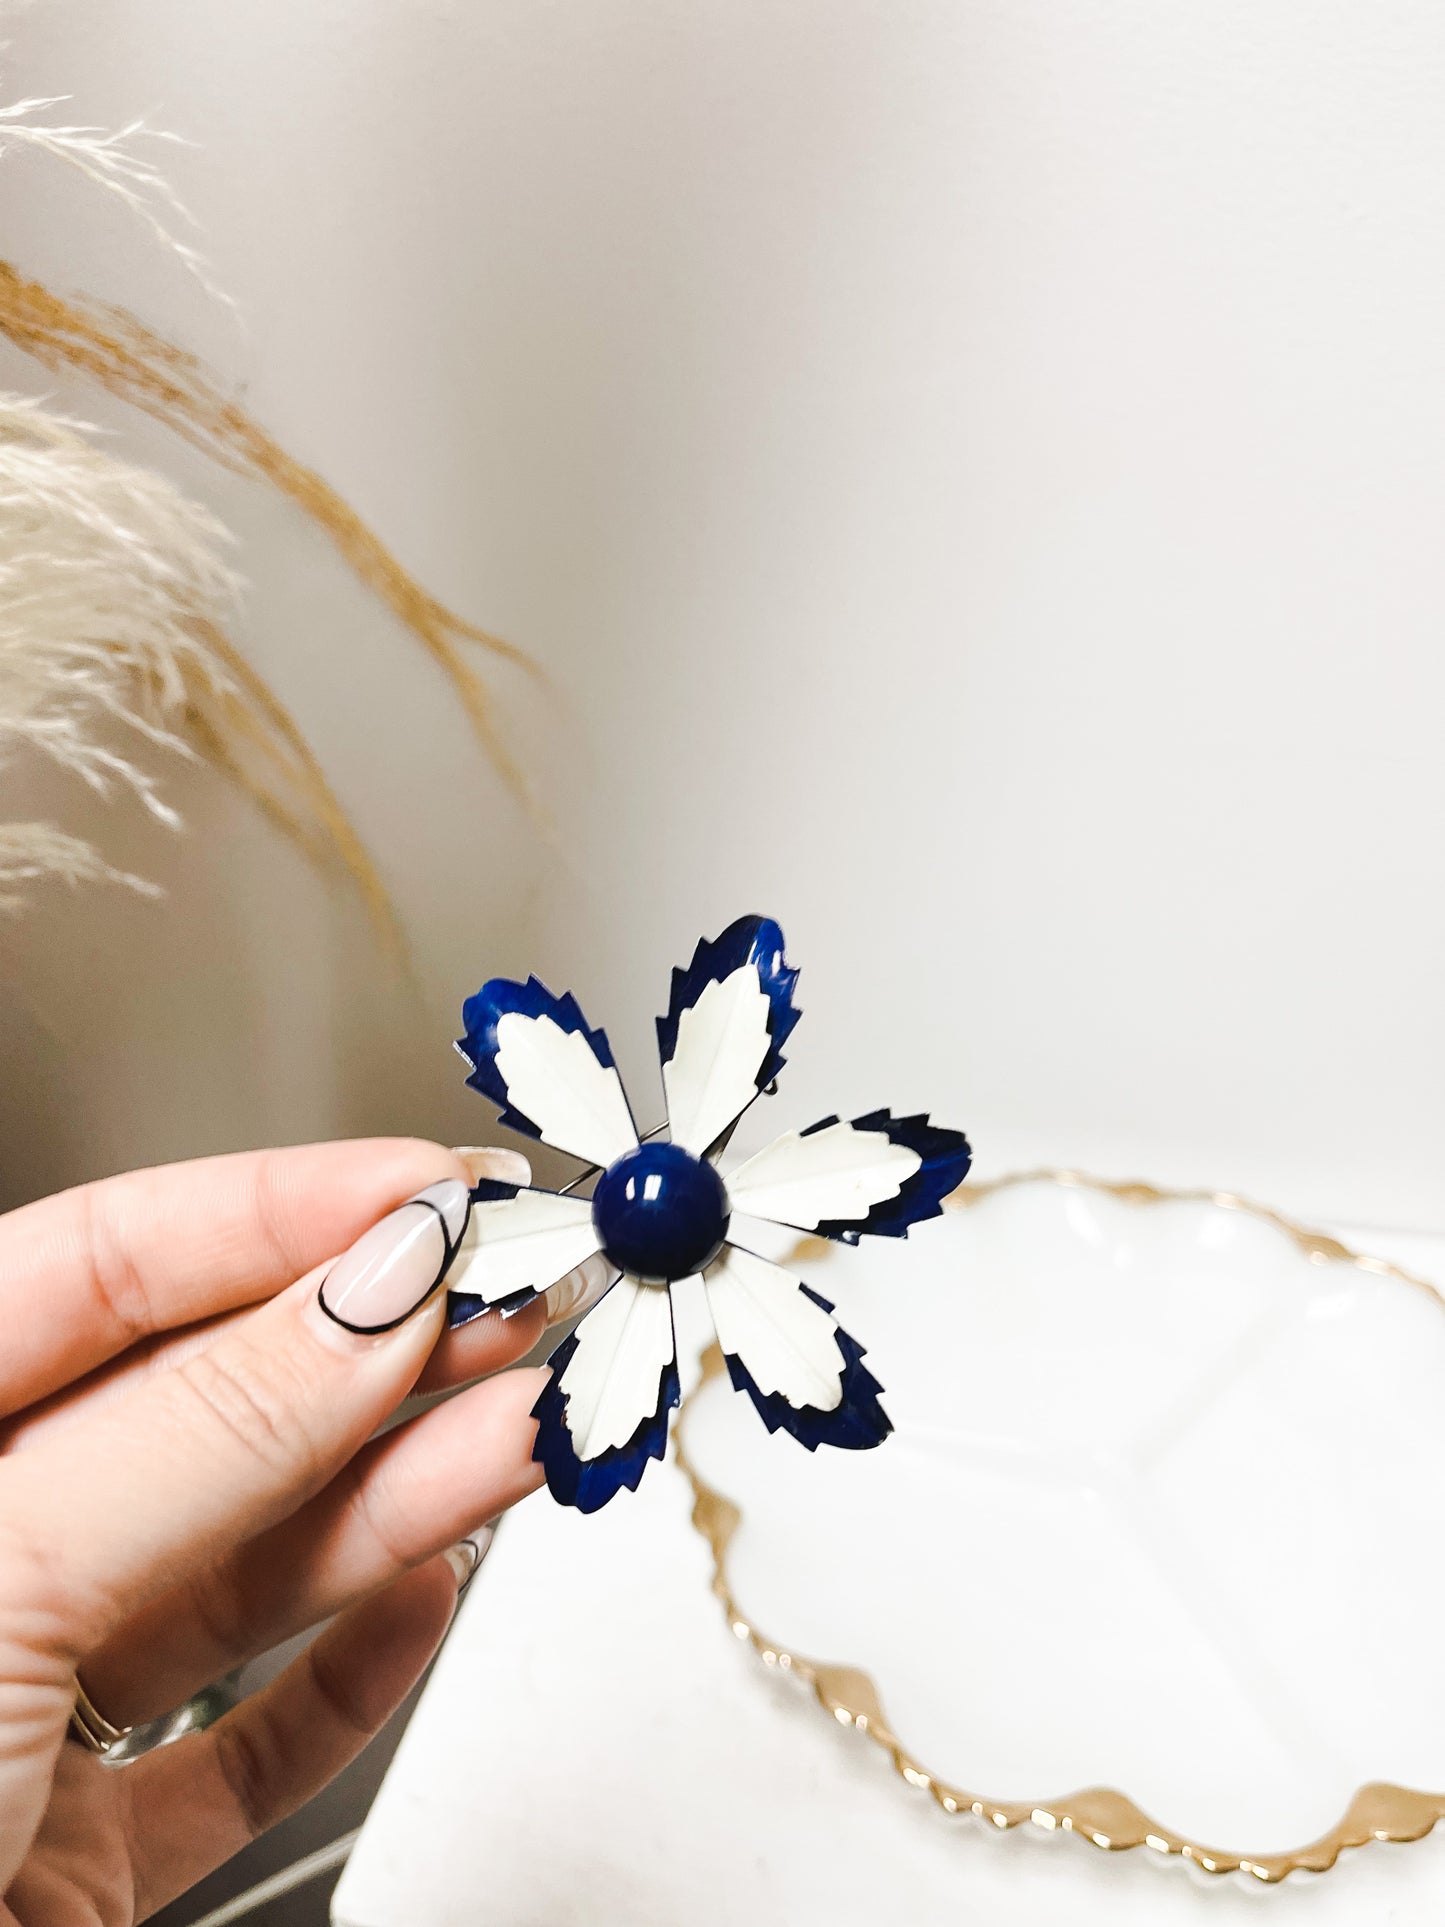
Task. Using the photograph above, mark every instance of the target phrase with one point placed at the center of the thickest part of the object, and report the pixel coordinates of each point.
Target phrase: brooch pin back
(660, 1213)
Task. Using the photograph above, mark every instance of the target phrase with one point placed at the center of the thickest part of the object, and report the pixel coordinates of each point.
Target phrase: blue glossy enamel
(855, 1424)
(945, 1158)
(481, 1015)
(660, 1213)
(590, 1483)
(751, 940)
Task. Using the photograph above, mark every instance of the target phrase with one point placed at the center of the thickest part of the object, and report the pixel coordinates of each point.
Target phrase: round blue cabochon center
(660, 1213)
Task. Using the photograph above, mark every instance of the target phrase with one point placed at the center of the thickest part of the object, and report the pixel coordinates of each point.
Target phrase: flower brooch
(660, 1213)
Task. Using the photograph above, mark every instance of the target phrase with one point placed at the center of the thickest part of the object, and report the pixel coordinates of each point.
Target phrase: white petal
(613, 1379)
(764, 1318)
(525, 1243)
(838, 1173)
(553, 1077)
(711, 1077)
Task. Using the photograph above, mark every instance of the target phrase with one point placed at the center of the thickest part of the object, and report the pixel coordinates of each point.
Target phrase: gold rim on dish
(1103, 1816)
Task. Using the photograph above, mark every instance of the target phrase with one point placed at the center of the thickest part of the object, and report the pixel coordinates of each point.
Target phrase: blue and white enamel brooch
(660, 1213)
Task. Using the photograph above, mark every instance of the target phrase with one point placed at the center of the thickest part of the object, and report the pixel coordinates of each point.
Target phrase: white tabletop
(594, 1748)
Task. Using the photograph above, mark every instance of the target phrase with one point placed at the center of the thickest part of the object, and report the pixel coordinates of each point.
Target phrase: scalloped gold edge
(1103, 1816)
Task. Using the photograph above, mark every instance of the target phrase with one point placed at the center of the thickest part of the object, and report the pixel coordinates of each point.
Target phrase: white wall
(978, 472)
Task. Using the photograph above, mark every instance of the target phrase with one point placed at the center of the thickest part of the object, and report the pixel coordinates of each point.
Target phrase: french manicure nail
(393, 1269)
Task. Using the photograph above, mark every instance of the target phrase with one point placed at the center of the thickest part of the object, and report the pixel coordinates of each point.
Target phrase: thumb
(159, 1483)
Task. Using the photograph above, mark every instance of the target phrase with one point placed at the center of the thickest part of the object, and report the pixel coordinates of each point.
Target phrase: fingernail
(467, 1554)
(579, 1290)
(488, 1161)
(450, 1197)
(392, 1270)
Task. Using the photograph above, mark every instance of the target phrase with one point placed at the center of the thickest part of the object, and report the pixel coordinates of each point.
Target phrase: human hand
(187, 1481)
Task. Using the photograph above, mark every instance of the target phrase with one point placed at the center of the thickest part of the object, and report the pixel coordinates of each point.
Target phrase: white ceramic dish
(1154, 1551)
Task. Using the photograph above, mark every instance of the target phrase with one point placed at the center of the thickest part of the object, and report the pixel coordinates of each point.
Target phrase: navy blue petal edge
(589, 1483)
(856, 1424)
(946, 1159)
(482, 1013)
(754, 940)
(464, 1306)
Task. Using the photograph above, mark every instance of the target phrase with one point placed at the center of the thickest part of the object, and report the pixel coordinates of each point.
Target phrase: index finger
(85, 1274)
